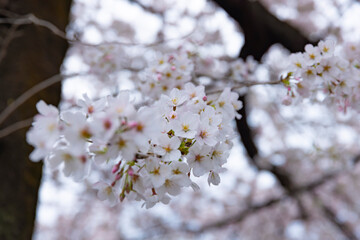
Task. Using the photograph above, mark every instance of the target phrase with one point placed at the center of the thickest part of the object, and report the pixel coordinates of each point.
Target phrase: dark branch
(242, 215)
(344, 228)
(245, 132)
(149, 9)
(257, 207)
(295, 192)
(262, 29)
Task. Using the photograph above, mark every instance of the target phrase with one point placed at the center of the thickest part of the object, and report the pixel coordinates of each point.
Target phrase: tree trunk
(33, 54)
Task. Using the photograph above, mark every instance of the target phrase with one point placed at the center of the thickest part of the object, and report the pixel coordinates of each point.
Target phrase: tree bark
(261, 28)
(32, 54)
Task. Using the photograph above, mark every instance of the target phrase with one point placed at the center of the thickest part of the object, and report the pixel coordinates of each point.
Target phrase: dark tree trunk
(33, 55)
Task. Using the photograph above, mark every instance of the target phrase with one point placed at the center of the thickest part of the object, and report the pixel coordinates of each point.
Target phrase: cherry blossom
(151, 149)
(321, 69)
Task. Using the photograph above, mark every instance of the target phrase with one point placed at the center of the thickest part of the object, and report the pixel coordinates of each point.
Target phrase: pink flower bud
(173, 68)
(132, 124)
(130, 171)
(115, 168)
(205, 98)
(118, 176)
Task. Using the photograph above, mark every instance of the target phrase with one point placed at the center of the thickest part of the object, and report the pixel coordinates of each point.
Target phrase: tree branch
(262, 29)
(236, 218)
(15, 127)
(10, 35)
(344, 228)
(241, 215)
(243, 84)
(32, 19)
(296, 191)
(31, 92)
(147, 8)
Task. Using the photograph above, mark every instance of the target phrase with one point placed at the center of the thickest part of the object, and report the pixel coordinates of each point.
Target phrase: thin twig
(31, 92)
(240, 216)
(244, 84)
(296, 191)
(43, 23)
(146, 45)
(249, 84)
(147, 8)
(7, 40)
(32, 19)
(15, 127)
(343, 227)
(7, 13)
(236, 218)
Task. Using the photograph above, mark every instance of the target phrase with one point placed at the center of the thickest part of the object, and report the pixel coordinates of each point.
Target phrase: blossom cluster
(322, 70)
(168, 71)
(152, 152)
(241, 70)
(102, 60)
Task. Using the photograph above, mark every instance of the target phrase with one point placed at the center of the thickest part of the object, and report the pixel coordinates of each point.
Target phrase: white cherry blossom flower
(120, 105)
(186, 125)
(101, 152)
(47, 110)
(176, 98)
(327, 47)
(206, 135)
(76, 166)
(297, 62)
(145, 128)
(170, 186)
(168, 148)
(123, 145)
(158, 172)
(199, 159)
(89, 106)
(151, 199)
(77, 130)
(194, 92)
(107, 193)
(213, 178)
(210, 117)
(45, 131)
(227, 103)
(312, 54)
(179, 172)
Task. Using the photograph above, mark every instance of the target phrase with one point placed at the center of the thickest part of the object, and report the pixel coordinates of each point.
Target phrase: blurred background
(292, 173)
